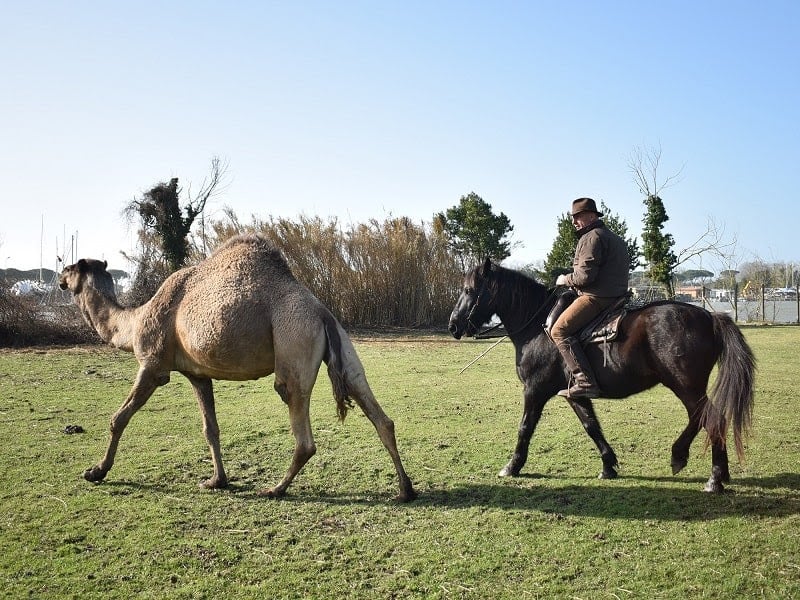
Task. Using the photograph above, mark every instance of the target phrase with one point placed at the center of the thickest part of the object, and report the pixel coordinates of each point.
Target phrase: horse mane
(521, 292)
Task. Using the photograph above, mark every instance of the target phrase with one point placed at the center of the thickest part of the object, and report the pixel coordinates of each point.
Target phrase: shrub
(27, 321)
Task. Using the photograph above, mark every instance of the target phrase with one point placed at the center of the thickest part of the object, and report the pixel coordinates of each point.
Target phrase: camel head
(87, 271)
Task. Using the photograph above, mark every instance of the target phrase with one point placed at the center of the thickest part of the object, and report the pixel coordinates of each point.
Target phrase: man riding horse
(600, 276)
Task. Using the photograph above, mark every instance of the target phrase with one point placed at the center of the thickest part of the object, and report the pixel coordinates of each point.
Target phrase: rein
(522, 328)
(505, 337)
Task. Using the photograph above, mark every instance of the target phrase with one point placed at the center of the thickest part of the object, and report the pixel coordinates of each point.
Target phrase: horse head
(476, 304)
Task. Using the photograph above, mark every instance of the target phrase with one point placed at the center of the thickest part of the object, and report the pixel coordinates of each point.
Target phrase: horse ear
(486, 269)
(105, 264)
(82, 264)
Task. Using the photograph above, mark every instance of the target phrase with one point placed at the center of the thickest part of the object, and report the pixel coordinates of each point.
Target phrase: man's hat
(584, 205)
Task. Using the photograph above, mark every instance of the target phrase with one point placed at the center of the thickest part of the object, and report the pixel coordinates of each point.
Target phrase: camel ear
(486, 269)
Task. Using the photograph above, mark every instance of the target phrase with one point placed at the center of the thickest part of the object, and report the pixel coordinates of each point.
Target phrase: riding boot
(582, 381)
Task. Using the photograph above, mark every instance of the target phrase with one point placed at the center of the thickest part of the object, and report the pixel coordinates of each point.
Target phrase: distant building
(649, 292)
(719, 295)
(689, 293)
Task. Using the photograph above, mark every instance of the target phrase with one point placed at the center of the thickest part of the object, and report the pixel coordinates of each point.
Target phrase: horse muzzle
(460, 327)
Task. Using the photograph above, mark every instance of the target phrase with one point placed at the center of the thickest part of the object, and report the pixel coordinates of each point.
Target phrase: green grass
(148, 531)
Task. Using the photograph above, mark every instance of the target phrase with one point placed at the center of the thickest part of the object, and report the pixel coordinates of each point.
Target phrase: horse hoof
(609, 474)
(677, 466)
(508, 472)
(713, 487)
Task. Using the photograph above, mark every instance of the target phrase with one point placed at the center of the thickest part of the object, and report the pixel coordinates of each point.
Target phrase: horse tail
(336, 367)
(731, 401)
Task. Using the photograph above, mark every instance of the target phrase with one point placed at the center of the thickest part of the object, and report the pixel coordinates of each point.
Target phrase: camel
(238, 315)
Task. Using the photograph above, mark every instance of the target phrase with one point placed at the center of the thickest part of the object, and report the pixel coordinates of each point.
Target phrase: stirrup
(580, 392)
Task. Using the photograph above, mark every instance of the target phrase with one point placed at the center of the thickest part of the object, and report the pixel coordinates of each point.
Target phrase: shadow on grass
(632, 497)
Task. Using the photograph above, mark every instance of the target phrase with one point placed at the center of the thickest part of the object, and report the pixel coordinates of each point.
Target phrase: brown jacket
(601, 263)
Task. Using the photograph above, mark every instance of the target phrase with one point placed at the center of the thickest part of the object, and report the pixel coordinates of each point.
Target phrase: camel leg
(585, 411)
(362, 394)
(204, 391)
(144, 386)
(304, 447)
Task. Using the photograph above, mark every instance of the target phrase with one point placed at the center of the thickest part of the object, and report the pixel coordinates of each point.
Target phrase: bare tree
(212, 185)
(166, 226)
(644, 164)
(657, 245)
(711, 242)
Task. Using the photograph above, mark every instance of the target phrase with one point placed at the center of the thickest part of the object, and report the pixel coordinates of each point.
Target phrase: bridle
(493, 327)
(508, 334)
(475, 326)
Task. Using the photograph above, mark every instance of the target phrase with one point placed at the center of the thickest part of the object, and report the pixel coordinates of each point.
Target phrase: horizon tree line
(394, 272)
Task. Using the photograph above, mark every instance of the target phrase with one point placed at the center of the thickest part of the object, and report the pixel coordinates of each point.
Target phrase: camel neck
(112, 322)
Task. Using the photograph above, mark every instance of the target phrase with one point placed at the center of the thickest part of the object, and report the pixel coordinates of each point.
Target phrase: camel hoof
(214, 484)
(271, 493)
(407, 495)
(94, 474)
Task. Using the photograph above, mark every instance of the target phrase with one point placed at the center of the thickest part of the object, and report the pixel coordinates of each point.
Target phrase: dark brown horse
(672, 343)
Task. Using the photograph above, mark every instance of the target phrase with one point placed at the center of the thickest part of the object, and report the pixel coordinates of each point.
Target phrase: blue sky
(363, 110)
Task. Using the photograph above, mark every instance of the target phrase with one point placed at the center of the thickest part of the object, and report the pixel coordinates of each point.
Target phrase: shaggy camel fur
(238, 315)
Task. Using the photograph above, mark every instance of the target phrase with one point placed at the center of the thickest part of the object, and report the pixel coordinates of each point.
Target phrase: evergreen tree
(559, 259)
(657, 245)
(161, 213)
(618, 225)
(474, 231)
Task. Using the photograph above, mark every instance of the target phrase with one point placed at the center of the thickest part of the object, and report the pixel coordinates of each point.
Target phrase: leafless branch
(644, 164)
(712, 241)
(212, 185)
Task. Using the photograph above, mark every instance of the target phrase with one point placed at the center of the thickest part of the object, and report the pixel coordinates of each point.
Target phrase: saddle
(605, 326)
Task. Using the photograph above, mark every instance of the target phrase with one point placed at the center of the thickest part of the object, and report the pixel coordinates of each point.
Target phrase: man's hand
(561, 280)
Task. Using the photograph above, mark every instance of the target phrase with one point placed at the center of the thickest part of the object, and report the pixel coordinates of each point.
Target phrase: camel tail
(731, 401)
(336, 370)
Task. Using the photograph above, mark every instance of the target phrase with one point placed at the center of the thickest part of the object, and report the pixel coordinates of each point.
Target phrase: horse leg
(204, 392)
(359, 388)
(720, 472)
(144, 386)
(585, 411)
(532, 412)
(297, 398)
(680, 449)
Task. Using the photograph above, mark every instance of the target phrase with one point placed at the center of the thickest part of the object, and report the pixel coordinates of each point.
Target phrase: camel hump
(334, 358)
(246, 249)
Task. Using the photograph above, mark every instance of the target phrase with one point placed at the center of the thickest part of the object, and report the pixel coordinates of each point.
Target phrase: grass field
(148, 531)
